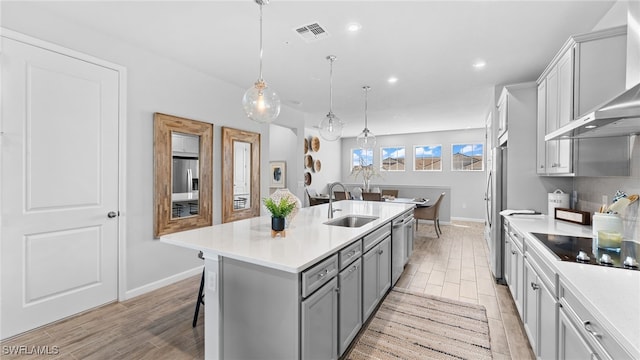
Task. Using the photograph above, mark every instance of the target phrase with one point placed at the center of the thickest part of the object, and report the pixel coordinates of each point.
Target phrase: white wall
(155, 84)
(282, 141)
(467, 187)
(329, 155)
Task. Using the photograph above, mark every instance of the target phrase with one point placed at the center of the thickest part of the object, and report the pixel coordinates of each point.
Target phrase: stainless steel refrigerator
(495, 201)
(185, 174)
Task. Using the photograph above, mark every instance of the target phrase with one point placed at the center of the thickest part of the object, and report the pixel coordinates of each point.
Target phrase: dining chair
(311, 195)
(356, 193)
(389, 192)
(371, 196)
(341, 195)
(430, 213)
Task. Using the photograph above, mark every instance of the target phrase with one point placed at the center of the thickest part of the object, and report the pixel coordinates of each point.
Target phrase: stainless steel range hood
(618, 117)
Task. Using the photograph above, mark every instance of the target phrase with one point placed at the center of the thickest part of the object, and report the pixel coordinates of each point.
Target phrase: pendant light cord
(366, 93)
(260, 78)
(331, 58)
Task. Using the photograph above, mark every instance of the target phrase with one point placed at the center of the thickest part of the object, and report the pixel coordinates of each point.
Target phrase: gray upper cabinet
(588, 71)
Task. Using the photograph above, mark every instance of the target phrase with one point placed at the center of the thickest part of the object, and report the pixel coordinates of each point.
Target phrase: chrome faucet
(331, 211)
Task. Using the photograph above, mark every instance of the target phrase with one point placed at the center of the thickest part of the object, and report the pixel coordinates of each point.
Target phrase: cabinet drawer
(376, 236)
(544, 271)
(316, 276)
(516, 238)
(589, 326)
(350, 253)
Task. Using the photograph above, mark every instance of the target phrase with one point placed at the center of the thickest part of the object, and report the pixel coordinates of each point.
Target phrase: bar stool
(200, 299)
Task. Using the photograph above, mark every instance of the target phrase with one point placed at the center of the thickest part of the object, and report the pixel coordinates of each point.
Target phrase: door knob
(112, 214)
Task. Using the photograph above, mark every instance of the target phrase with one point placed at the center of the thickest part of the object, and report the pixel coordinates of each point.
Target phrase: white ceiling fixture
(331, 126)
(479, 64)
(260, 102)
(312, 32)
(354, 27)
(366, 139)
(392, 80)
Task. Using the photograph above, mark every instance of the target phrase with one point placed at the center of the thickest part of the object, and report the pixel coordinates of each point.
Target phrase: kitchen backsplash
(591, 189)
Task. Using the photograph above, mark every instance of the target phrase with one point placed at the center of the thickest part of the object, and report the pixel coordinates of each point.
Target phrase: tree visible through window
(361, 157)
(427, 158)
(392, 158)
(467, 157)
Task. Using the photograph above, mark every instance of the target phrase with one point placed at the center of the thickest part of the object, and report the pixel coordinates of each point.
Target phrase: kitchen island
(593, 310)
(279, 297)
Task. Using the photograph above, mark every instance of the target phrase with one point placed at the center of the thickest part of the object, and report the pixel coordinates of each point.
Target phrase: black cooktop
(569, 248)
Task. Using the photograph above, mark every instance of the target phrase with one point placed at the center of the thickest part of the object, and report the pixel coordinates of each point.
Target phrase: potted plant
(279, 211)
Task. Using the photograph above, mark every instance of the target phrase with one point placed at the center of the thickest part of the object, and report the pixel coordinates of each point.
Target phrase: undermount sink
(352, 221)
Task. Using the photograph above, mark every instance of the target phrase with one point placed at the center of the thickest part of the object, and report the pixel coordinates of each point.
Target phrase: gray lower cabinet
(320, 323)
(376, 275)
(539, 318)
(571, 344)
(350, 304)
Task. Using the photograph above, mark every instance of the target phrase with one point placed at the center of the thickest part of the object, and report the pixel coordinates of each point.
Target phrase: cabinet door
(517, 274)
(541, 145)
(507, 263)
(369, 282)
(384, 267)
(565, 88)
(570, 344)
(547, 326)
(320, 323)
(551, 112)
(502, 113)
(530, 311)
(350, 311)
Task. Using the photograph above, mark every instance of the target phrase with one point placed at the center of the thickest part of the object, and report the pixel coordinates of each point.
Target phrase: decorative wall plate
(317, 166)
(308, 162)
(307, 178)
(306, 145)
(315, 144)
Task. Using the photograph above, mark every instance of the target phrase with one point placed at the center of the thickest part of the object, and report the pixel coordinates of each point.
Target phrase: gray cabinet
(320, 323)
(570, 344)
(586, 72)
(376, 275)
(350, 304)
(514, 267)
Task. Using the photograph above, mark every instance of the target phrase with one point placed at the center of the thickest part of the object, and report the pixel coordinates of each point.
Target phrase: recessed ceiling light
(354, 27)
(590, 127)
(392, 80)
(479, 64)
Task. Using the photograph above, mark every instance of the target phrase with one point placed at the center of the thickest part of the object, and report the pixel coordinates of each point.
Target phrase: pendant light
(331, 126)
(366, 139)
(260, 102)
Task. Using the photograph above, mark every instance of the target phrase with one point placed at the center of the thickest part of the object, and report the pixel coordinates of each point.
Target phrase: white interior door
(59, 161)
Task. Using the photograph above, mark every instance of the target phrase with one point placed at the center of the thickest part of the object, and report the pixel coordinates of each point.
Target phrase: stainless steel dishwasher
(401, 244)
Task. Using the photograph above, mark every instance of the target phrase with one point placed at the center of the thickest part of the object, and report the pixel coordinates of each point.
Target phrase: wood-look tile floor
(157, 325)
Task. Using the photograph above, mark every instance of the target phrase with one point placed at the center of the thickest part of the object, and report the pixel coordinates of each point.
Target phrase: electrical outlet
(212, 281)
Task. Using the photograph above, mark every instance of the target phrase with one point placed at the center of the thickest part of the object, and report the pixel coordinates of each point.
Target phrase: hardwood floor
(157, 325)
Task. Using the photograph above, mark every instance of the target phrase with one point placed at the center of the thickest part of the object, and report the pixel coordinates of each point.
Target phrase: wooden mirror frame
(230, 135)
(163, 126)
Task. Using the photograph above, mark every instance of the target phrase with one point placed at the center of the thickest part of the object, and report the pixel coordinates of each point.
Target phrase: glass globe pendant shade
(366, 139)
(261, 103)
(331, 127)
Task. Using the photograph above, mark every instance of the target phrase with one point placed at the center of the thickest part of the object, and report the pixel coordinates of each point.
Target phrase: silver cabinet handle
(322, 274)
(354, 268)
(112, 214)
(353, 252)
(380, 252)
(513, 252)
(535, 286)
(587, 327)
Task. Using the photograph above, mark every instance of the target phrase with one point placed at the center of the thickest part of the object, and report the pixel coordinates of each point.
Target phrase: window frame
(415, 158)
(473, 145)
(404, 157)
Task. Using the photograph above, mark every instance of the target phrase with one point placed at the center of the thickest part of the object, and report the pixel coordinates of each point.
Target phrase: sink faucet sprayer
(331, 211)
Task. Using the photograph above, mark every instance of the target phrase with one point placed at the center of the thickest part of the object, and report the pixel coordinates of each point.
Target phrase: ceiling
(429, 46)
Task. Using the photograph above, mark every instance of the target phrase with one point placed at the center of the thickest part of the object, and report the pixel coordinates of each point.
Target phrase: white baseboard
(467, 219)
(162, 283)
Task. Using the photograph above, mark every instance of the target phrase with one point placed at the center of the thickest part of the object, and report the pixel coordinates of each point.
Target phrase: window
(361, 157)
(427, 158)
(467, 157)
(392, 158)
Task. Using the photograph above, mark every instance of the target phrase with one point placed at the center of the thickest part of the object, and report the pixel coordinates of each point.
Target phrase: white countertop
(612, 295)
(178, 197)
(307, 240)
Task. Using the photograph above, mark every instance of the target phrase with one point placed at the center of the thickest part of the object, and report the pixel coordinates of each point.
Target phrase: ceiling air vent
(312, 32)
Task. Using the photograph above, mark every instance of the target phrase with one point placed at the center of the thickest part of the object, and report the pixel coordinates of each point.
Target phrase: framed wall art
(278, 174)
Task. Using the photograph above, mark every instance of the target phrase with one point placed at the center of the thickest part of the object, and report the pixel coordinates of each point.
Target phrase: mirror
(240, 174)
(183, 153)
